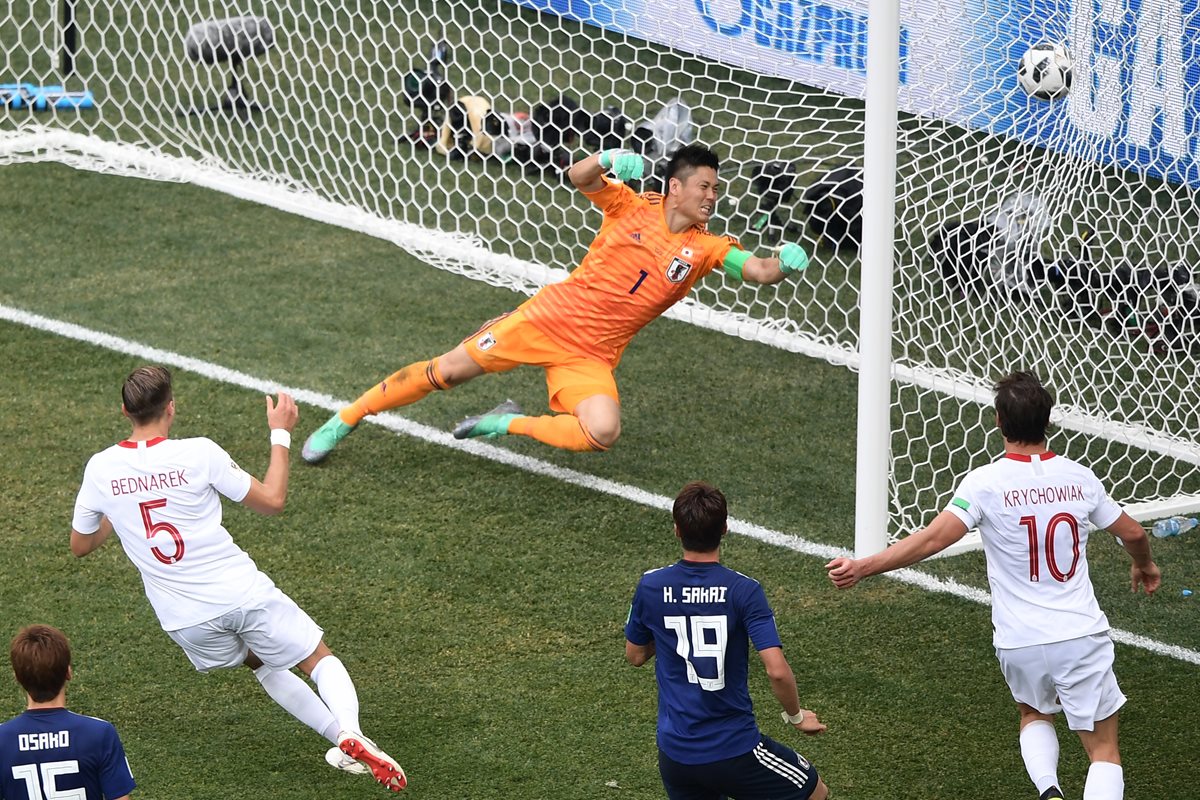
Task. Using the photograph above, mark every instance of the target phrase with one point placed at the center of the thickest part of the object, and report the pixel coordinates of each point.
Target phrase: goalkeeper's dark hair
(1023, 408)
(146, 393)
(700, 515)
(687, 160)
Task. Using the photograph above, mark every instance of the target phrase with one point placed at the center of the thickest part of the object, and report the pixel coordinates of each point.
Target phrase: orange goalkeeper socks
(402, 388)
(564, 431)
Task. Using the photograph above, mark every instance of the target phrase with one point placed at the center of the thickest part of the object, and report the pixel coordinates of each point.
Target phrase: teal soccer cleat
(322, 441)
(493, 423)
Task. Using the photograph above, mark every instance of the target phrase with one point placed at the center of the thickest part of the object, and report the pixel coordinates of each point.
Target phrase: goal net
(1055, 236)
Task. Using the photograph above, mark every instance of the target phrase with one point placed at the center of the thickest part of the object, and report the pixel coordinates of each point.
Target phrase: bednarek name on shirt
(149, 483)
(695, 594)
(1041, 495)
(43, 741)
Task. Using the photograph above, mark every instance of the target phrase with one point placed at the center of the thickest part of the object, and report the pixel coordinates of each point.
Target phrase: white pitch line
(500, 455)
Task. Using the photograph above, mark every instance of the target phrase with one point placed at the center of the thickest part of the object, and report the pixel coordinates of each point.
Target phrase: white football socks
(1039, 749)
(298, 699)
(337, 690)
(1105, 781)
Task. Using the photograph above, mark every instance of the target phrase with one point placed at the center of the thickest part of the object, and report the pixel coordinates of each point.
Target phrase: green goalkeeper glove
(792, 258)
(625, 164)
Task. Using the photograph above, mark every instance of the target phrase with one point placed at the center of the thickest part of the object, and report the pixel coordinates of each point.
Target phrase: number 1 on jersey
(641, 277)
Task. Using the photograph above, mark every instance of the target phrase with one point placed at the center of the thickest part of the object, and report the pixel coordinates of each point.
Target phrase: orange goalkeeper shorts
(511, 340)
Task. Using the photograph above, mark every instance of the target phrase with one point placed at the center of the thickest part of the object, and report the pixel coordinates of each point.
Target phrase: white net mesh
(329, 109)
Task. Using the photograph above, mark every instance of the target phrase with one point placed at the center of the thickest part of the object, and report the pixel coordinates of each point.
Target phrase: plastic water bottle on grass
(1173, 526)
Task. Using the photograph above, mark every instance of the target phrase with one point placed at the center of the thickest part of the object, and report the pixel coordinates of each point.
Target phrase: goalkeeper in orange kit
(649, 252)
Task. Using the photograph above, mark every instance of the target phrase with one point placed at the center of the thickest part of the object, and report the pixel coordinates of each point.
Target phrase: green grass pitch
(479, 607)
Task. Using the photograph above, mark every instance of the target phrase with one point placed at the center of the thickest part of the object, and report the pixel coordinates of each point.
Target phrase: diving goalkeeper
(649, 252)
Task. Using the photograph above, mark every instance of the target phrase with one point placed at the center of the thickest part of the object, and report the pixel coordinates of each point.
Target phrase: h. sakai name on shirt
(1042, 495)
(149, 483)
(695, 594)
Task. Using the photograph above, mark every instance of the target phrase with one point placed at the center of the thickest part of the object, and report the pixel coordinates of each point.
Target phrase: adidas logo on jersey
(636, 236)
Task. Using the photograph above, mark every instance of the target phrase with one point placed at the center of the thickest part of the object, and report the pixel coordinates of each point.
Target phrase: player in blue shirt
(49, 751)
(699, 617)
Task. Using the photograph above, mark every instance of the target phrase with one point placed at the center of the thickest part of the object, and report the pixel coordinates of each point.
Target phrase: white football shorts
(279, 632)
(1075, 677)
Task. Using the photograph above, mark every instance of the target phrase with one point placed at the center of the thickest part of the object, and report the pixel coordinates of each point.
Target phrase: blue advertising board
(816, 42)
(1135, 100)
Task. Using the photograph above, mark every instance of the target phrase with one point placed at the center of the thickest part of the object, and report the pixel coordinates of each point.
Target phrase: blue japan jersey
(47, 752)
(701, 617)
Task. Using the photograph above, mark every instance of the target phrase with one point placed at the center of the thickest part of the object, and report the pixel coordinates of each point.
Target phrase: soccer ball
(1045, 71)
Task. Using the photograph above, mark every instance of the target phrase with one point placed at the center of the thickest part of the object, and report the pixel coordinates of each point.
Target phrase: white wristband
(796, 720)
(281, 437)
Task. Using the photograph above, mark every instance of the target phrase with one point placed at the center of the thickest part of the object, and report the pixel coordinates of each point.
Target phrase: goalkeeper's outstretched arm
(587, 174)
(751, 269)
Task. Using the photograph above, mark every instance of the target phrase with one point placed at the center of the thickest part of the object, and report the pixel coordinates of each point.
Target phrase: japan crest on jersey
(487, 341)
(678, 270)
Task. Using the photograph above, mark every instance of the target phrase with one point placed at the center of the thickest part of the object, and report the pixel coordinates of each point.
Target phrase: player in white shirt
(1033, 510)
(162, 498)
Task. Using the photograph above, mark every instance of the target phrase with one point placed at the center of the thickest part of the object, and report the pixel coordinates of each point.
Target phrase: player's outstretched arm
(588, 175)
(783, 686)
(84, 543)
(752, 269)
(945, 530)
(1144, 572)
(269, 495)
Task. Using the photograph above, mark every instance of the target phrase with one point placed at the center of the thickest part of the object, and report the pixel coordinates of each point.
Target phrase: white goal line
(633, 494)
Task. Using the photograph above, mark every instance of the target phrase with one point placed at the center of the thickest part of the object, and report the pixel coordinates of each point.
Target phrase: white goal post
(1056, 236)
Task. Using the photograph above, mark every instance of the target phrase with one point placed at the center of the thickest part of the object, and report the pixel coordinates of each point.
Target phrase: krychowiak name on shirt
(1040, 495)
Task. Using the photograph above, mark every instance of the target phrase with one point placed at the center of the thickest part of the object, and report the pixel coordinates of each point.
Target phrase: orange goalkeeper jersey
(634, 270)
